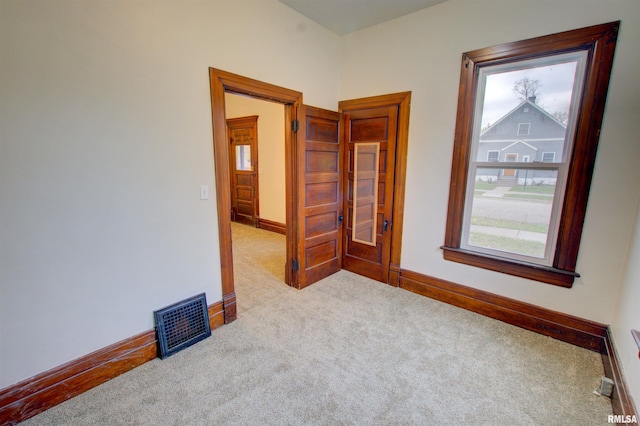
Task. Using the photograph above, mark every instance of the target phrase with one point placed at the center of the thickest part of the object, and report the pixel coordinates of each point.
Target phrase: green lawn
(512, 245)
(510, 224)
(484, 186)
(537, 197)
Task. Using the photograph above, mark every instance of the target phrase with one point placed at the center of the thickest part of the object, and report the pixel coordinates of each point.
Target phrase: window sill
(545, 274)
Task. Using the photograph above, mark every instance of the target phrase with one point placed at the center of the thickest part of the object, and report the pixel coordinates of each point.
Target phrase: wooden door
(243, 166)
(510, 158)
(319, 174)
(370, 147)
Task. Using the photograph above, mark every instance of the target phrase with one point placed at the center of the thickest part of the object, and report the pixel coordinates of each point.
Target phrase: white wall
(105, 140)
(271, 155)
(105, 135)
(628, 317)
(421, 53)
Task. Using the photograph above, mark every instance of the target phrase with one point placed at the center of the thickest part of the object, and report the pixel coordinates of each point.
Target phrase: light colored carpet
(348, 350)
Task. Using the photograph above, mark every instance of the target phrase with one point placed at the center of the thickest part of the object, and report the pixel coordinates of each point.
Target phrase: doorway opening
(314, 183)
(257, 175)
(222, 82)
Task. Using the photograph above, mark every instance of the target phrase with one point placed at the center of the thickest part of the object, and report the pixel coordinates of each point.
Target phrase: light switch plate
(204, 192)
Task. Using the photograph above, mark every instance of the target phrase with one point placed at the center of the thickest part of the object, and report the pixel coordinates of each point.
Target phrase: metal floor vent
(182, 324)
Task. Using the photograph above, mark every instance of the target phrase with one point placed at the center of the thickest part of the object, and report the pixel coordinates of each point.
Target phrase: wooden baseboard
(39, 393)
(216, 315)
(269, 225)
(570, 329)
(580, 332)
(620, 400)
(229, 307)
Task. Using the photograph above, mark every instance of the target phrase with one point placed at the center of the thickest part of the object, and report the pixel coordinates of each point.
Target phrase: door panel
(370, 127)
(320, 207)
(243, 166)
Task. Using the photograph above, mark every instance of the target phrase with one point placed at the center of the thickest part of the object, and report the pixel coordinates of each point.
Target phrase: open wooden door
(319, 213)
(370, 136)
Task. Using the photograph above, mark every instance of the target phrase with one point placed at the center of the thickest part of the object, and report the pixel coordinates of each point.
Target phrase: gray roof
(542, 125)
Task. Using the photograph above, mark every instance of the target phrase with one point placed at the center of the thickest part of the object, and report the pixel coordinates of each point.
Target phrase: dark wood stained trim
(394, 275)
(221, 82)
(45, 390)
(541, 273)
(216, 315)
(229, 307)
(570, 329)
(621, 401)
(269, 225)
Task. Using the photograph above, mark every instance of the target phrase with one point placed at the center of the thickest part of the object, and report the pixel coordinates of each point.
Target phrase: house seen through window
(530, 109)
(514, 210)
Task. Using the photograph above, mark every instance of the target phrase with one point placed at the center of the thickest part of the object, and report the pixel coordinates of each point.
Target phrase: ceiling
(346, 16)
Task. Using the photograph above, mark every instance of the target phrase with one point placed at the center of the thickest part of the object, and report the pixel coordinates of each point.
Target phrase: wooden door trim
(221, 82)
(403, 101)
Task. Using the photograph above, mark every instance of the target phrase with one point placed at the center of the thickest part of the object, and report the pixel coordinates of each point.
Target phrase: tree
(526, 88)
(561, 116)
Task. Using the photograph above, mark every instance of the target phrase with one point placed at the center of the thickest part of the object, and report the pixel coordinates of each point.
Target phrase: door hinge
(295, 265)
(295, 125)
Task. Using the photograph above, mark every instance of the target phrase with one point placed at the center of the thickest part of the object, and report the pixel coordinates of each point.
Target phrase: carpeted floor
(348, 350)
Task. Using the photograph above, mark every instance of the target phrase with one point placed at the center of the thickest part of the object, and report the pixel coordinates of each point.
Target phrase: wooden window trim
(599, 41)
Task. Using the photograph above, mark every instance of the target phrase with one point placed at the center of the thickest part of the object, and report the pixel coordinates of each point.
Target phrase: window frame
(490, 160)
(528, 129)
(599, 41)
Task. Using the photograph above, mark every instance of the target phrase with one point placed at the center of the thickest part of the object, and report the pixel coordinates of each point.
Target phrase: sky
(554, 90)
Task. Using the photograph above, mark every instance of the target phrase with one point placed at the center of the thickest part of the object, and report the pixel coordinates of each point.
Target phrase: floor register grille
(181, 325)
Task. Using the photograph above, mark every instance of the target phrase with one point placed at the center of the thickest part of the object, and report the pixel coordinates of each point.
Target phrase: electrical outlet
(606, 386)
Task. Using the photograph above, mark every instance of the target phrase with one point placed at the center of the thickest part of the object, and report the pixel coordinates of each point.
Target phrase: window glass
(523, 128)
(365, 192)
(243, 158)
(493, 156)
(524, 109)
(512, 219)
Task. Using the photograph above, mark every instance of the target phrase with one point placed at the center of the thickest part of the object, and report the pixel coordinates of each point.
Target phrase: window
(493, 156)
(523, 128)
(532, 224)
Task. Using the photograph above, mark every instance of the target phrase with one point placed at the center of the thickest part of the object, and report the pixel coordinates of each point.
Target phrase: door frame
(221, 82)
(403, 101)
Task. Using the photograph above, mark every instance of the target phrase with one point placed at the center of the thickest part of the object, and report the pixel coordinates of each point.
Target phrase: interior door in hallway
(243, 165)
(319, 173)
(370, 136)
